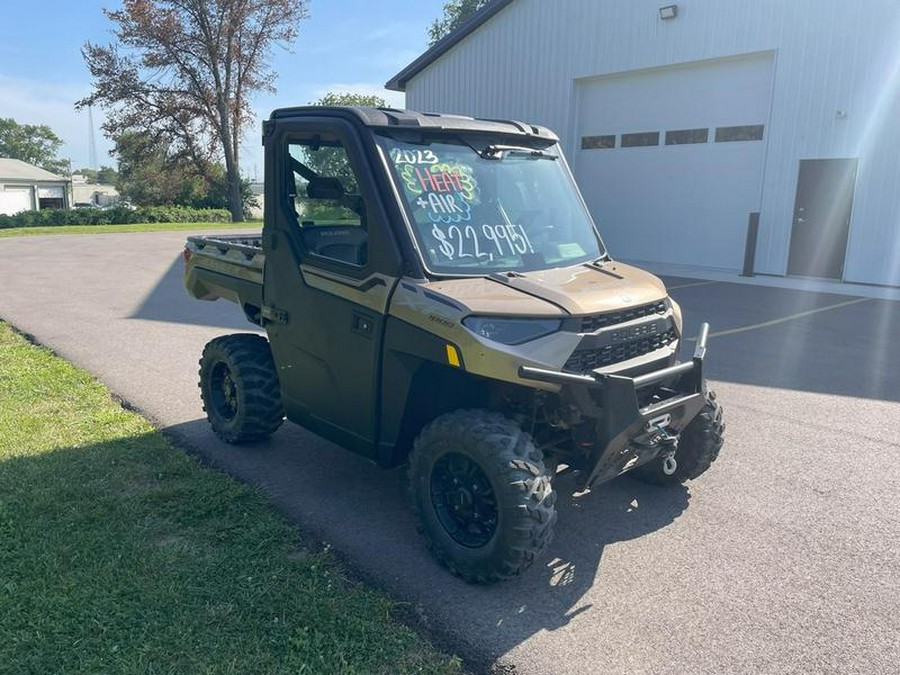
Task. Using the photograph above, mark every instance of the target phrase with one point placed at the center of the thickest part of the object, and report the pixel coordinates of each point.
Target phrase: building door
(333, 280)
(15, 200)
(822, 217)
(670, 160)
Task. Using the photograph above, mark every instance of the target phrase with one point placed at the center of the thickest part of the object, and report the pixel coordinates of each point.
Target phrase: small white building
(25, 187)
(680, 120)
(92, 194)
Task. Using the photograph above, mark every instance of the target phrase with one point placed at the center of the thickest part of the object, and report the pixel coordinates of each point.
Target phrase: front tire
(698, 447)
(240, 389)
(482, 494)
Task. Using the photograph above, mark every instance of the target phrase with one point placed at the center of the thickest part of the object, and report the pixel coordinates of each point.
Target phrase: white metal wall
(836, 90)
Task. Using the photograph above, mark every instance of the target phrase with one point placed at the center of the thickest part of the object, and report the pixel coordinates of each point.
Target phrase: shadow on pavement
(366, 513)
(845, 349)
(170, 302)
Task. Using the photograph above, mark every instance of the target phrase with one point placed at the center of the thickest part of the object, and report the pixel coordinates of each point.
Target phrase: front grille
(583, 360)
(589, 324)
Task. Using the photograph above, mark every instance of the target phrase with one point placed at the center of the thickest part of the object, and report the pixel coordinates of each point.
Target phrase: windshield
(502, 209)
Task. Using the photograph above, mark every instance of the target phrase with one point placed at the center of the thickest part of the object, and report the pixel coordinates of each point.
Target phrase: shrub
(115, 216)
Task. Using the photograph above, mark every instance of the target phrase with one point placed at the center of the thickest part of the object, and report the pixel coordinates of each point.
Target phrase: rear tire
(698, 447)
(240, 389)
(483, 495)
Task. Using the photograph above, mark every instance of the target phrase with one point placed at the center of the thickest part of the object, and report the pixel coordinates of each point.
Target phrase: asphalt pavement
(783, 558)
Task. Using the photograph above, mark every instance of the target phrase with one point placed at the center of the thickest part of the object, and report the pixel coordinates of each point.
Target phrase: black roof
(445, 44)
(392, 118)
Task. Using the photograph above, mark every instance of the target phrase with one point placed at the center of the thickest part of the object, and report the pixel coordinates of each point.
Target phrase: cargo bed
(229, 267)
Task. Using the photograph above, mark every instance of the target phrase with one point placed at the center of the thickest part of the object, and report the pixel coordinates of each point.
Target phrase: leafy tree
(456, 13)
(149, 175)
(105, 175)
(184, 70)
(31, 143)
(332, 161)
(334, 98)
(89, 174)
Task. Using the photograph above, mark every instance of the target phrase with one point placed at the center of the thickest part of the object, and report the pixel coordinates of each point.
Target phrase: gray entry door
(822, 217)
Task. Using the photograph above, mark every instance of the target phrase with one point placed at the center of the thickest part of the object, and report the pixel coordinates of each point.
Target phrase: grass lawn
(119, 553)
(137, 227)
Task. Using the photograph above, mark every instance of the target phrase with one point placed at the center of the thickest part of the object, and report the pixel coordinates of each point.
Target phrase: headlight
(511, 331)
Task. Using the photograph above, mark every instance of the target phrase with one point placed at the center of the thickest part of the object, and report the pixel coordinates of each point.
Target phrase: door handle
(362, 324)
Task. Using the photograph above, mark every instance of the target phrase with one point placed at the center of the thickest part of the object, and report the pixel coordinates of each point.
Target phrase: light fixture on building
(668, 12)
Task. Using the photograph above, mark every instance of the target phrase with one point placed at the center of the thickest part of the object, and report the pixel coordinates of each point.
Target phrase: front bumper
(625, 429)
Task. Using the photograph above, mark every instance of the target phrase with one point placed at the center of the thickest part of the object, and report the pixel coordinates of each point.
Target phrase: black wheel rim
(464, 500)
(223, 392)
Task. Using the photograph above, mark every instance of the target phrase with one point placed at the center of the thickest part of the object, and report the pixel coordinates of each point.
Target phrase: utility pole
(92, 140)
(70, 198)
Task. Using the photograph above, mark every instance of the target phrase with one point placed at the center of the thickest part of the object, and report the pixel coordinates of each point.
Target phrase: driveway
(784, 558)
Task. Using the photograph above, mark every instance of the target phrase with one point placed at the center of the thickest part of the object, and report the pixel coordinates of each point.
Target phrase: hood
(574, 290)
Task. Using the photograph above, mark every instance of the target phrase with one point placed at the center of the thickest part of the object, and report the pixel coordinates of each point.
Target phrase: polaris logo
(633, 333)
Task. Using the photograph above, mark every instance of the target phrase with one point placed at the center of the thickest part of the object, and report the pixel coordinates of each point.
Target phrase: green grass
(119, 553)
(137, 227)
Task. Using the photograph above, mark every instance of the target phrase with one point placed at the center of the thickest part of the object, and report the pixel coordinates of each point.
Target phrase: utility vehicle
(435, 292)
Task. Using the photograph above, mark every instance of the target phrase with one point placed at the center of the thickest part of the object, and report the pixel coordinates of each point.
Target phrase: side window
(331, 212)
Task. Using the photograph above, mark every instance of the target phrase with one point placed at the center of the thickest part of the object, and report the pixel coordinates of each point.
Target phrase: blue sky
(346, 45)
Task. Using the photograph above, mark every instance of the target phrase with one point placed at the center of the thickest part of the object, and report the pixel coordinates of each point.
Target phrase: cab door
(331, 266)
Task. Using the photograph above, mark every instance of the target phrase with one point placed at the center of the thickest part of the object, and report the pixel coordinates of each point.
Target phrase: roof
(408, 119)
(17, 170)
(445, 44)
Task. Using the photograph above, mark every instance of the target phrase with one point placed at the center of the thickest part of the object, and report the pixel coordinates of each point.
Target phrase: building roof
(445, 44)
(17, 170)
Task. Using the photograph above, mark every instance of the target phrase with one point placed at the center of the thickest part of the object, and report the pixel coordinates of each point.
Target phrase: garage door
(14, 200)
(670, 160)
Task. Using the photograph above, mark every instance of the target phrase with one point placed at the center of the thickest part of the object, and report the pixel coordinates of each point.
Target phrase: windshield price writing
(469, 242)
(471, 212)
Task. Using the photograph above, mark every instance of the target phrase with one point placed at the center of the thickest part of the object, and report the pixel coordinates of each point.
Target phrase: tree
(89, 174)
(105, 175)
(150, 176)
(332, 161)
(348, 98)
(183, 71)
(31, 143)
(456, 13)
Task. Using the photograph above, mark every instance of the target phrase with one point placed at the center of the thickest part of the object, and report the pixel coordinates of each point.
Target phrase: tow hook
(669, 464)
(670, 443)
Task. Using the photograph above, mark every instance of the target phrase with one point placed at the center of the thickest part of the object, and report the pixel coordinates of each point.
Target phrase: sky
(344, 45)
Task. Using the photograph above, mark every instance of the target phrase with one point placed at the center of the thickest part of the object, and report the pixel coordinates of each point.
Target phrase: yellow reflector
(453, 356)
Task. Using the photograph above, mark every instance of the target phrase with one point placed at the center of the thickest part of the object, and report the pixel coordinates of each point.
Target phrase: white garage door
(670, 160)
(14, 200)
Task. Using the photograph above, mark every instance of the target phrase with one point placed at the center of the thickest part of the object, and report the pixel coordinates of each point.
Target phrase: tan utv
(435, 292)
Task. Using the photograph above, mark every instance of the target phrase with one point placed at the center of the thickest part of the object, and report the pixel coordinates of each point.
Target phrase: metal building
(681, 120)
(25, 187)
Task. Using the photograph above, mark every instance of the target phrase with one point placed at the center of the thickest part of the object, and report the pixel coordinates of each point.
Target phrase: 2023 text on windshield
(478, 210)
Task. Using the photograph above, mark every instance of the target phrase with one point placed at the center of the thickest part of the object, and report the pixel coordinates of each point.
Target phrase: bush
(115, 216)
